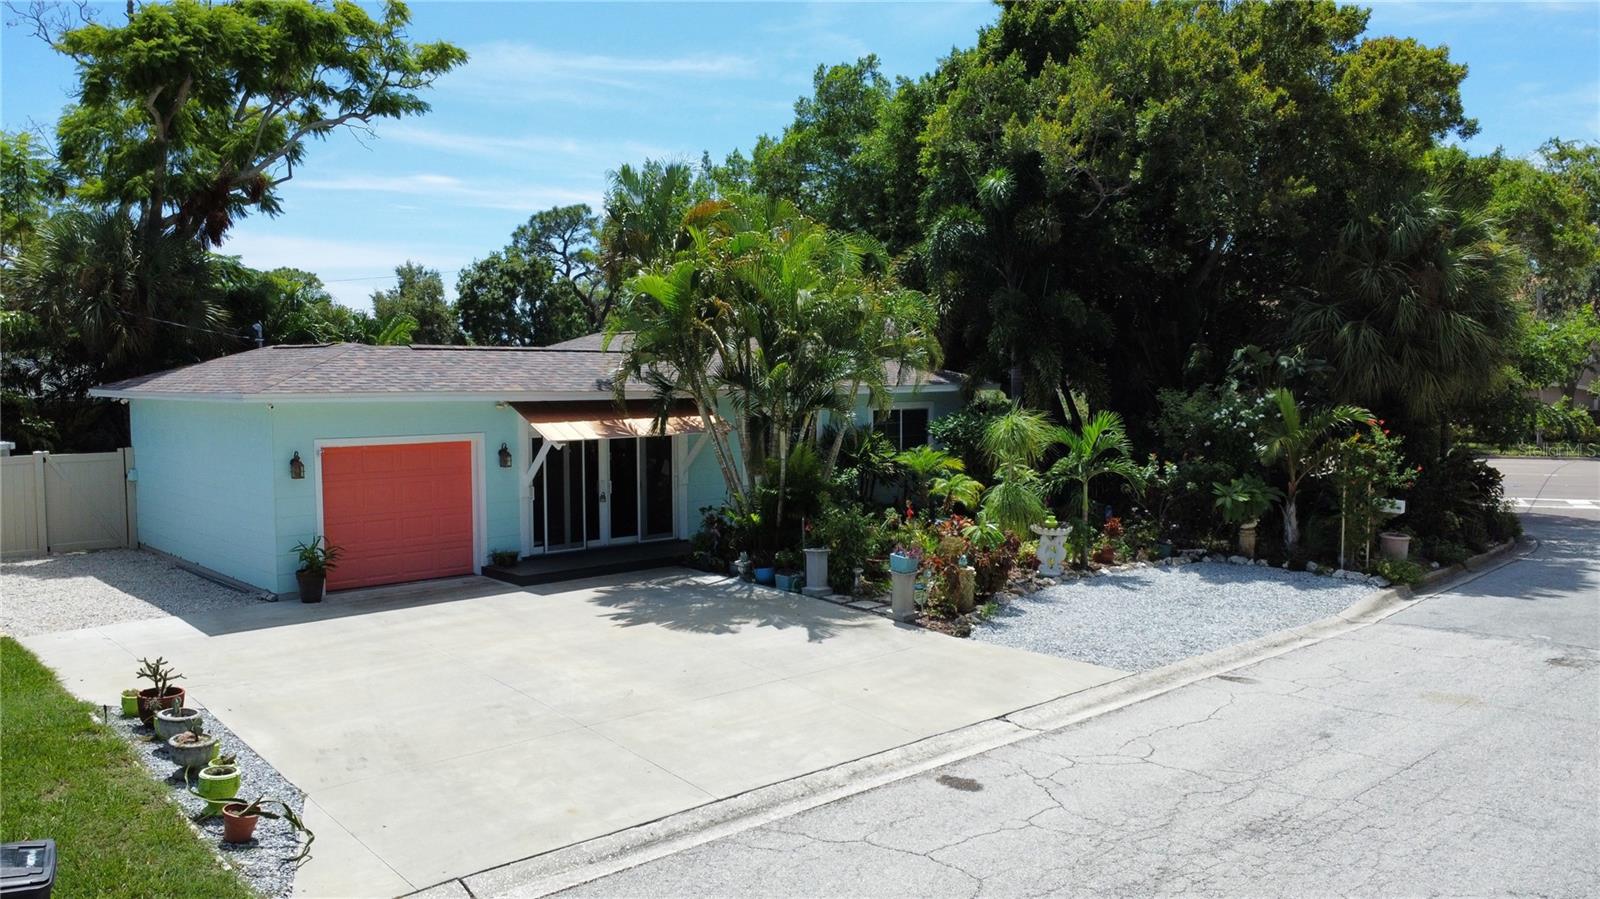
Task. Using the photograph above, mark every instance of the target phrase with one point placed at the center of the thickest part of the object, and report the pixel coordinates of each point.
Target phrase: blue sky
(558, 94)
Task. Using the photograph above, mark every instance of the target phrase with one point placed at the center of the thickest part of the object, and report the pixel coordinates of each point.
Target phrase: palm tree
(956, 489)
(921, 465)
(674, 335)
(1300, 443)
(1015, 441)
(644, 215)
(1100, 447)
(1413, 305)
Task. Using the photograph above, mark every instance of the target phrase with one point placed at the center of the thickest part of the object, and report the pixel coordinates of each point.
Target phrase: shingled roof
(342, 369)
(571, 370)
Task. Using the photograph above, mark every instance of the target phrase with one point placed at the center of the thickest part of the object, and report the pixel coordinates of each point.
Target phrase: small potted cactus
(161, 694)
(171, 722)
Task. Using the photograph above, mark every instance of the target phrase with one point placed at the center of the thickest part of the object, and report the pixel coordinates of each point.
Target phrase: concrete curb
(592, 859)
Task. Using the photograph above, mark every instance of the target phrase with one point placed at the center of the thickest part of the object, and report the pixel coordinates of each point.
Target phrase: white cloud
(521, 147)
(525, 72)
(351, 269)
(454, 191)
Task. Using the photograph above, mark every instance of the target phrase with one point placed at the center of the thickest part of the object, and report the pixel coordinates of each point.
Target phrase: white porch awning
(571, 421)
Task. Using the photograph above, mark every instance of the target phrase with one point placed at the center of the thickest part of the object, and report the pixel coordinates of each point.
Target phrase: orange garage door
(398, 512)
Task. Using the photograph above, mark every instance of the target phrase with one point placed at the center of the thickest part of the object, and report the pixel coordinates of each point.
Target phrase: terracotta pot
(234, 828)
(148, 703)
(312, 585)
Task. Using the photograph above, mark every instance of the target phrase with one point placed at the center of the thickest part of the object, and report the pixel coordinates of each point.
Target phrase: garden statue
(1052, 551)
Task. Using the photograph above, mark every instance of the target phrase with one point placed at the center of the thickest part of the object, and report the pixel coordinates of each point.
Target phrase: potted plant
(1242, 502)
(161, 694)
(316, 560)
(1394, 545)
(171, 722)
(765, 571)
(239, 821)
(788, 575)
(905, 559)
(218, 783)
(193, 749)
(504, 558)
(130, 703)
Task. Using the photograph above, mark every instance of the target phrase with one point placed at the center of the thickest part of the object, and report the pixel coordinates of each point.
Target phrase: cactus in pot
(192, 749)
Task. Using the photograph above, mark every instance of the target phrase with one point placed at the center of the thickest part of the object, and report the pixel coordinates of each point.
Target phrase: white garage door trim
(480, 520)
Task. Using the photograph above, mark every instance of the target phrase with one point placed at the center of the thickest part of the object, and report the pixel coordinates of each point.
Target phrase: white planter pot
(817, 572)
(1394, 546)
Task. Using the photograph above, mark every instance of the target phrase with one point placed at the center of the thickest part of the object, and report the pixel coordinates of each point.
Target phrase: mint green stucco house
(420, 461)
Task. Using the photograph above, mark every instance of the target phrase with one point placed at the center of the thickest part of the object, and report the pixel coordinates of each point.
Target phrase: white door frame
(480, 519)
(532, 481)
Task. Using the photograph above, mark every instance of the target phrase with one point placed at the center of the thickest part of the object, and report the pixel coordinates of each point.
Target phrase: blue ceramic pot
(900, 563)
(766, 575)
(790, 583)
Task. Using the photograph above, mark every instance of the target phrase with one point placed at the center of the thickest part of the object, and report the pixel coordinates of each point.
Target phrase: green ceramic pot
(130, 705)
(218, 785)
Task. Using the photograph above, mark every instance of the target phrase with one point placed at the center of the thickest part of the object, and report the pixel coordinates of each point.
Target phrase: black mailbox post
(27, 869)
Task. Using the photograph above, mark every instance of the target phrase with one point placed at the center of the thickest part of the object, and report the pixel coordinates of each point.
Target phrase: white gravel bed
(1148, 617)
(264, 862)
(89, 589)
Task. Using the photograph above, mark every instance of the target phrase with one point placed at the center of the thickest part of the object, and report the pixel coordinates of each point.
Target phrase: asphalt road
(1453, 748)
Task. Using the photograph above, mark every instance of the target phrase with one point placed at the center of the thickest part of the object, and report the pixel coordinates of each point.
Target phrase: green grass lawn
(65, 776)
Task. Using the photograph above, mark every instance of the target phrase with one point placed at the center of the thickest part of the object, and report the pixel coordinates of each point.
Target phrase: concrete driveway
(445, 728)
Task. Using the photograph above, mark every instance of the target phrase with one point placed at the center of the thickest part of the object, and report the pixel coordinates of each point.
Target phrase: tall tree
(192, 114)
(419, 293)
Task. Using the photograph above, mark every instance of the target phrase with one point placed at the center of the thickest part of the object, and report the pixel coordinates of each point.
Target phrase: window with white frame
(905, 427)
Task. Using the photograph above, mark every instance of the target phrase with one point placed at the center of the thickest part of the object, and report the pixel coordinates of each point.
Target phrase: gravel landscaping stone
(90, 589)
(1148, 617)
(265, 861)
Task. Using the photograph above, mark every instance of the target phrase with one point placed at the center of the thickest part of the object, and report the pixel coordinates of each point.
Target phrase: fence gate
(61, 503)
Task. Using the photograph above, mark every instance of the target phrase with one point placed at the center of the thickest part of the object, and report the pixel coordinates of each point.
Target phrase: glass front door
(603, 492)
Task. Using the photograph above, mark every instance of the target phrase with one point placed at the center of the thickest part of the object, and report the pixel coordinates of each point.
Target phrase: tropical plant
(1243, 500)
(1300, 443)
(316, 557)
(956, 489)
(1014, 441)
(921, 465)
(1099, 448)
(1415, 303)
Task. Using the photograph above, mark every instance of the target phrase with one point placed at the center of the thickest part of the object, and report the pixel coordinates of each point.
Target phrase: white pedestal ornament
(903, 594)
(1052, 552)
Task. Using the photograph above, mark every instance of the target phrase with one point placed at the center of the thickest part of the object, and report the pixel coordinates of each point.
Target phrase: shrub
(1458, 500)
(1398, 571)
(852, 536)
(1446, 553)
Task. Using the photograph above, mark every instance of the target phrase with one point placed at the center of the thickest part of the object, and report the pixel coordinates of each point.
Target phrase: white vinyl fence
(61, 503)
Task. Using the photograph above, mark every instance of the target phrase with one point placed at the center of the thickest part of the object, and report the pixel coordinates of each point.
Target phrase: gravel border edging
(264, 863)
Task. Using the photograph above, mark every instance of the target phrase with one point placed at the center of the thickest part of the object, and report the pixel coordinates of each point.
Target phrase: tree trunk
(1291, 523)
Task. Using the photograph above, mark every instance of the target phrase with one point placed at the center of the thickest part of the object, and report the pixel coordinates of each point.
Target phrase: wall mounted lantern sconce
(297, 469)
(505, 456)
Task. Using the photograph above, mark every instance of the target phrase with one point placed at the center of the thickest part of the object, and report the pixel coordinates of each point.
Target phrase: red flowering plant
(1367, 468)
